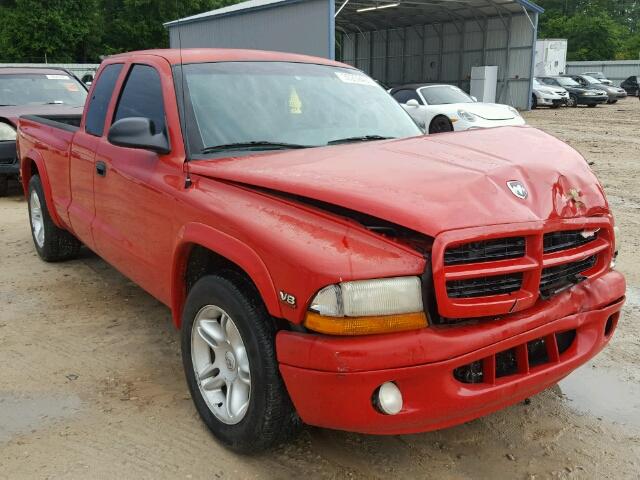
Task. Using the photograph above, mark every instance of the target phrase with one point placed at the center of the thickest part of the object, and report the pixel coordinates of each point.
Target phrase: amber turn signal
(365, 325)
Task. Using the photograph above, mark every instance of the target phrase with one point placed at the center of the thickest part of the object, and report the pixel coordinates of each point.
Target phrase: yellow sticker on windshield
(295, 105)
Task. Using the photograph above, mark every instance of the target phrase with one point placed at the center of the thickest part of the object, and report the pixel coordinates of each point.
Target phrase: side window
(99, 101)
(142, 97)
(403, 96)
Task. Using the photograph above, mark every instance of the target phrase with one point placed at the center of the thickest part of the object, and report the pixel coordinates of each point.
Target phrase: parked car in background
(326, 262)
(614, 93)
(600, 77)
(548, 96)
(631, 86)
(444, 108)
(27, 90)
(578, 95)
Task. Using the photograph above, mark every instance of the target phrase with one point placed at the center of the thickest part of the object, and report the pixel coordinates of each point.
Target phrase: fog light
(388, 398)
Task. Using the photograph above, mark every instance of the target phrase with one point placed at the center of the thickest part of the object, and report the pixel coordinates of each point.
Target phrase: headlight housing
(469, 117)
(514, 111)
(368, 306)
(7, 132)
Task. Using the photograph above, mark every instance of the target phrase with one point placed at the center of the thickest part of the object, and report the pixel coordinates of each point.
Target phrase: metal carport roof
(404, 13)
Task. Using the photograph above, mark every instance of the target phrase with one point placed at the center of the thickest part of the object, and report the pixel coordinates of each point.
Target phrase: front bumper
(552, 101)
(588, 100)
(331, 380)
(462, 124)
(8, 159)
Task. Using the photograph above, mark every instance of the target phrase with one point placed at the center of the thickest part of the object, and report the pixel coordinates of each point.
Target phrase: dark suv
(631, 85)
(34, 91)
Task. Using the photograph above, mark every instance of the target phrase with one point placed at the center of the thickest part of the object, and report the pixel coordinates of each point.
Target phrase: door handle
(101, 168)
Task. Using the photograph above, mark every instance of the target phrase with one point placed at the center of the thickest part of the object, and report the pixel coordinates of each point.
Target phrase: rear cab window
(100, 98)
(141, 96)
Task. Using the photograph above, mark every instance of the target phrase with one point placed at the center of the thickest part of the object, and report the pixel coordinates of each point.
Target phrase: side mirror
(413, 103)
(474, 98)
(138, 132)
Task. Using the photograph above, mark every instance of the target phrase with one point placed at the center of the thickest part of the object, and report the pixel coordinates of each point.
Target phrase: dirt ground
(91, 383)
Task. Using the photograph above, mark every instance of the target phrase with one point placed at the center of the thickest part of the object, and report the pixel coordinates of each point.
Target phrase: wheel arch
(437, 116)
(207, 249)
(33, 164)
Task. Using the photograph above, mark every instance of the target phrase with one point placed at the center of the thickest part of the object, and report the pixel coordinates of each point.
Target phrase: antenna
(183, 119)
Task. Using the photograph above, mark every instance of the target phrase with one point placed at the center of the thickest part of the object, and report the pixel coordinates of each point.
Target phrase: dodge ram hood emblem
(518, 189)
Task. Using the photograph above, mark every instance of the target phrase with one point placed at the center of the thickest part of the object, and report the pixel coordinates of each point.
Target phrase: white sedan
(445, 108)
(548, 96)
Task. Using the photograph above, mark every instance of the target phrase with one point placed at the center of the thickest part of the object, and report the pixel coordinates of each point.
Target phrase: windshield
(286, 105)
(444, 94)
(567, 82)
(41, 89)
(590, 79)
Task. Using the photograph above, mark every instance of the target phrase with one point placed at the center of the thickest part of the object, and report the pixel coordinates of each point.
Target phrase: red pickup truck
(326, 262)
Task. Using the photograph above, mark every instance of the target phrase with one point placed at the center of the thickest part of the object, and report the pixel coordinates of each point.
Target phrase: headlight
(616, 233)
(368, 306)
(514, 111)
(7, 132)
(469, 117)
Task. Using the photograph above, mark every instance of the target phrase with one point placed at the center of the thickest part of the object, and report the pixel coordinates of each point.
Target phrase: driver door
(133, 225)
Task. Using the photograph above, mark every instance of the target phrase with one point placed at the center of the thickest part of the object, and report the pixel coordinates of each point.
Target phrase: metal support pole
(441, 50)
(461, 58)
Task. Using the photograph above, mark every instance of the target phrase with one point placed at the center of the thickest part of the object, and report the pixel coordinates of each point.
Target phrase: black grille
(557, 278)
(506, 362)
(484, 286)
(557, 241)
(485, 251)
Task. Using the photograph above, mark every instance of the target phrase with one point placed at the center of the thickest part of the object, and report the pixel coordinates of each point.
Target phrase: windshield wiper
(255, 145)
(7, 105)
(362, 138)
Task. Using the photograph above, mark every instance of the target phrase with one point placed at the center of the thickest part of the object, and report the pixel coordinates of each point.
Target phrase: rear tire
(4, 185)
(593, 105)
(52, 243)
(228, 345)
(440, 124)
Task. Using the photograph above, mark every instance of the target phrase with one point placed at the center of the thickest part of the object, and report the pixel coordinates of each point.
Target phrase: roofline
(200, 17)
(240, 11)
(530, 5)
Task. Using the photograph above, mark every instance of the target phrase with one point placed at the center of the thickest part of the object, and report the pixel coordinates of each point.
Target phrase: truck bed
(67, 122)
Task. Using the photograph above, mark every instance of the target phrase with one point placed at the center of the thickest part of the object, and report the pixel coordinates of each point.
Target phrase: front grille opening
(471, 373)
(610, 326)
(539, 352)
(555, 279)
(506, 363)
(565, 340)
(558, 241)
(485, 251)
(485, 286)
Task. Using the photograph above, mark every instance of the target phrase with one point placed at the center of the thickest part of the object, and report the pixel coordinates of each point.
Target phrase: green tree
(62, 30)
(590, 36)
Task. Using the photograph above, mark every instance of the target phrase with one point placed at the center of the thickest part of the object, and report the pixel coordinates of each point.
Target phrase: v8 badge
(287, 298)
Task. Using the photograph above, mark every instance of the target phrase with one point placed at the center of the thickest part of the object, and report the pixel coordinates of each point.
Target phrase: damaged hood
(431, 183)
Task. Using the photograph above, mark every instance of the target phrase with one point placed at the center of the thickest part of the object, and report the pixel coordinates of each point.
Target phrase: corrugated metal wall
(301, 27)
(446, 52)
(616, 71)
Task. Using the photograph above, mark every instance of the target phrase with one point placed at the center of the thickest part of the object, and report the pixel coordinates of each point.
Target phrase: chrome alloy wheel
(220, 364)
(37, 222)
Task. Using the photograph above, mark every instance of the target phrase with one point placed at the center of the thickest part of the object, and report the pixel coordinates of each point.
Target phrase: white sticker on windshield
(58, 77)
(357, 78)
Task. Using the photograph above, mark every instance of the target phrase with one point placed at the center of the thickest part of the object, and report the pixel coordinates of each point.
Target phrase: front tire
(573, 101)
(4, 185)
(534, 102)
(52, 243)
(229, 358)
(440, 124)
